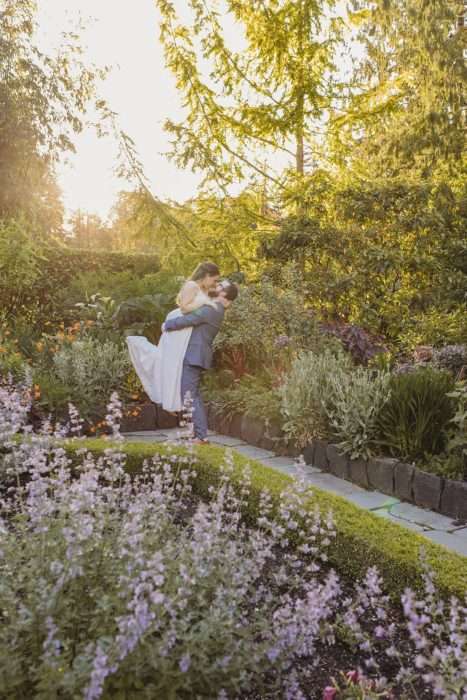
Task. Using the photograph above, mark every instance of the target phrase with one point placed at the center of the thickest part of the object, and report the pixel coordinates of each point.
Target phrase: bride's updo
(205, 269)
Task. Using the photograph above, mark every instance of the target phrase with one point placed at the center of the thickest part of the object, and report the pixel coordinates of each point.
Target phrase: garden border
(363, 539)
(385, 474)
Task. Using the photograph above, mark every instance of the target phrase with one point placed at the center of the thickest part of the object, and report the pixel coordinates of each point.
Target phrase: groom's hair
(230, 289)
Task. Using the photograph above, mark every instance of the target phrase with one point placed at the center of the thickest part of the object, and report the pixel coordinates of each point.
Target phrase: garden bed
(177, 571)
(362, 540)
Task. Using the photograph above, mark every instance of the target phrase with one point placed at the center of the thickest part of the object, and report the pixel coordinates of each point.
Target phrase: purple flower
(185, 663)
(282, 341)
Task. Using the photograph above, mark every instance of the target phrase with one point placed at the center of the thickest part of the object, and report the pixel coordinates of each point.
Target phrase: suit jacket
(206, 323)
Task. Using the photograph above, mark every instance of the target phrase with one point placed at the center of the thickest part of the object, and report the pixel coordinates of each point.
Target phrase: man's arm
(206, 314)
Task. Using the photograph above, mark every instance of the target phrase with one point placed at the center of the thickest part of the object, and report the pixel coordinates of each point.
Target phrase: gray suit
(206, 323)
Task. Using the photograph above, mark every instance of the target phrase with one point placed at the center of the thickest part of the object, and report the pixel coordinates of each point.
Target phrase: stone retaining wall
(384, 474)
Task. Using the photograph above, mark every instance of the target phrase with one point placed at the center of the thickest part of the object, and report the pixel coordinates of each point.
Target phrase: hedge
(362, 540)
(59, 266)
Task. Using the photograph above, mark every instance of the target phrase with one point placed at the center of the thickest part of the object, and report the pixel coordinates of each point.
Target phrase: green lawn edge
(362, 540)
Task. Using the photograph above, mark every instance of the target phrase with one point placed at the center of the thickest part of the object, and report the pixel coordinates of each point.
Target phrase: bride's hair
(203, 270)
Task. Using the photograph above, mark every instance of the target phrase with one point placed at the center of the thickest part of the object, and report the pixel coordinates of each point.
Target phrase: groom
(206, 323)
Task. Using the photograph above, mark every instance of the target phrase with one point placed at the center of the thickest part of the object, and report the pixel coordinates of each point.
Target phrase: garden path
(436, 527)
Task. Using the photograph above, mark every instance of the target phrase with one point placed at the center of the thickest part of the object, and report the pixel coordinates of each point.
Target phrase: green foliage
(254, 327)
(414, 420)
(250, 395)
(12, 362)
(20, 263)
(119, 286)
(51, 269)
(409, 112)
(387, 255)
(144, 315)
(355, 402)
(306, 394)
(240, 103)
(449, 465)
(324, 396)
(85, 372)
(458, 435)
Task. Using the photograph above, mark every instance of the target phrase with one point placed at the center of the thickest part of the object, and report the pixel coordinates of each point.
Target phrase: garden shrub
(84, 372)
(252, 395)
(452, 358)
(259, 322)
(306, 394)
(12, 362)
(51, 269)
(355, 401)
(362, 345)
(414, 421)
(118, 286)
(324, 396)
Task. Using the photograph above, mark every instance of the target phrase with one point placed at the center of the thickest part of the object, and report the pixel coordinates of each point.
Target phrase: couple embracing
(172, 370)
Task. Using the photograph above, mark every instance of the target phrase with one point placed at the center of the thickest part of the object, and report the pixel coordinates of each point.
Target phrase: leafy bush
(49, 271)
(447, 464)
(306, 394)
(355, 402)
(325, 396)
(414, 421)
(261, 315)
(362, 345)
(85, 373)
(20, 264)
(251, 395)
(119, 286)
(12, 362)
(144, 315)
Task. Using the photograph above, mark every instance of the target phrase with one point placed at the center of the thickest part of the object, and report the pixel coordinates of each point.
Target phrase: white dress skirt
(160, 367)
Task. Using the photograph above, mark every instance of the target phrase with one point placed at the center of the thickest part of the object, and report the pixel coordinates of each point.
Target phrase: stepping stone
(328, 482)
(278, 462)
(140, 437)
(253, 452)
(426, 518)
(371, 500)
(450, 540)
(225, 440)
(408, 524)
(145, 433)
(282, 464)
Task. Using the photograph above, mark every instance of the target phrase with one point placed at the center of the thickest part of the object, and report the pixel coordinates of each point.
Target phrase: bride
(159, 367)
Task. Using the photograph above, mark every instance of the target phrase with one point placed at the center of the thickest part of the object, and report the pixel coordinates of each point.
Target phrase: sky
(124, 36)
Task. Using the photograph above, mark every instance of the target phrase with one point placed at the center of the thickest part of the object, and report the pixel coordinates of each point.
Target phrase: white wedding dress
(160, 367)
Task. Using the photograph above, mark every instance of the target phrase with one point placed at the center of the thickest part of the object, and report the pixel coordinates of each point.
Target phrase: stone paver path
(436, 527)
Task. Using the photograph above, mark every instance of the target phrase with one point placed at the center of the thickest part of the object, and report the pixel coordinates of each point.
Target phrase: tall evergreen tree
(409, 111)
(241, 106)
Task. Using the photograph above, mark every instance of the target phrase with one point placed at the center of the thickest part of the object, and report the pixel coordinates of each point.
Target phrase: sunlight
(122, 36)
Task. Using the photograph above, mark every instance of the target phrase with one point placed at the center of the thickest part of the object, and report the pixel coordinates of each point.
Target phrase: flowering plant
(110, 585)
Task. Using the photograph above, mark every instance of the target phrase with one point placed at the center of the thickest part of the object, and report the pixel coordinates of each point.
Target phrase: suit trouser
(191, 378)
